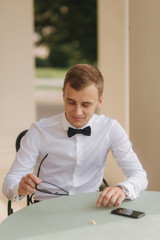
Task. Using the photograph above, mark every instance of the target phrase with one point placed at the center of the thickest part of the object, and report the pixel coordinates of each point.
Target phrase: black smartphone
(128, 212)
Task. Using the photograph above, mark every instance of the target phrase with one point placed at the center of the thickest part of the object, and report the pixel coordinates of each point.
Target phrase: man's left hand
(111, 196)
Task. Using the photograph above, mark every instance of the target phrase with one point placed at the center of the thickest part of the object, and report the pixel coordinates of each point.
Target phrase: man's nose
(78, 110)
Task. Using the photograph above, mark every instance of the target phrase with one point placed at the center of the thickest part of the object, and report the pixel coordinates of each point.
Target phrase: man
(67, 152)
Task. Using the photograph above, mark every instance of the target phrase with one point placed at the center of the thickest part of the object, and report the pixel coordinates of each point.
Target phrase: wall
(129, 58)
(145, 85)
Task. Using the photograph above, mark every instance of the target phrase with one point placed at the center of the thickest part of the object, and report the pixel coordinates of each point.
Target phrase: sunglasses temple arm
(41, 164)
(40, 168)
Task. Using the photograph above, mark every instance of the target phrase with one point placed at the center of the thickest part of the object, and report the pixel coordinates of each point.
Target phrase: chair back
(17, 146)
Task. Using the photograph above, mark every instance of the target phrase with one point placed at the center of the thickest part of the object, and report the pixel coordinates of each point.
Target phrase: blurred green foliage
(69, 29)
(50, 73)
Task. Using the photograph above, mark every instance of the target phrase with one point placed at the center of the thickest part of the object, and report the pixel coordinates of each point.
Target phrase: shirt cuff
(124, 189)
(14, 195)
(128, 189)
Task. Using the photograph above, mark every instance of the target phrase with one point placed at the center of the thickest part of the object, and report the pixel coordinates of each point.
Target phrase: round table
(68, 218)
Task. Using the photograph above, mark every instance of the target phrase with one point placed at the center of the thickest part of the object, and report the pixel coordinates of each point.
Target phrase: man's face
(80, 105)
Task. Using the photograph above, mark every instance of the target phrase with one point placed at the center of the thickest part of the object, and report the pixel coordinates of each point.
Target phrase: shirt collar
(65, 123)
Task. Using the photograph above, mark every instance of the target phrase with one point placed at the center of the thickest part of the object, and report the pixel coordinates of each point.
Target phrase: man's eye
(86, 105)
(71, 102)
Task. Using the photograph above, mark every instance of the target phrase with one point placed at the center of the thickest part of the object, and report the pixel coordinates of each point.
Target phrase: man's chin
(78, 124)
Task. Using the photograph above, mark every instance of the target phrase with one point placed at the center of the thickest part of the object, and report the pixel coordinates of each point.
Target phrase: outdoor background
(62, 37)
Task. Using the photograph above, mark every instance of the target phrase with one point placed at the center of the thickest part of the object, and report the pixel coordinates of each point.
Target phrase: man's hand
(27, 184)
(111, 196)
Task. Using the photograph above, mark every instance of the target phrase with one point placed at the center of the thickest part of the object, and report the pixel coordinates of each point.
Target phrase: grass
(50, 72)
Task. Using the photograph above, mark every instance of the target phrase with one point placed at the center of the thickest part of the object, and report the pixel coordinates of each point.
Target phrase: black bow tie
(85, 131)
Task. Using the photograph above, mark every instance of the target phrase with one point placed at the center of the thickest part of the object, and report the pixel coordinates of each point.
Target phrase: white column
(17, 107)
(113, 63)
(145, 85)
(16, 66)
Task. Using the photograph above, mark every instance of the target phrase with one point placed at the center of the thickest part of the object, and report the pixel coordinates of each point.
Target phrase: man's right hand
(27, 184)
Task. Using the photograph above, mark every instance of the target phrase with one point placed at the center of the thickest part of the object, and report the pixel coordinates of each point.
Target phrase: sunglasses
(38, 188)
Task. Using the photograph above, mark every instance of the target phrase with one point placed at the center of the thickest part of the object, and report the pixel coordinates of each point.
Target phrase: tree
(69, 29)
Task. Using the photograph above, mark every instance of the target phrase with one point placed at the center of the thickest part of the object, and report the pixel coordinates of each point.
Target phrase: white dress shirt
(75, 164)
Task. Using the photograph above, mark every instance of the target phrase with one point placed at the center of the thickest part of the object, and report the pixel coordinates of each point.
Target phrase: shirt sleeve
(23, 163)
(121, 147)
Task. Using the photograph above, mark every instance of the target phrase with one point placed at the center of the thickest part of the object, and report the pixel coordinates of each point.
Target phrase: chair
(105, 183)
(17, 146)
(29, 198)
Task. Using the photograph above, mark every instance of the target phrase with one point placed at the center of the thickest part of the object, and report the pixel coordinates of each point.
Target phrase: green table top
(68, 218)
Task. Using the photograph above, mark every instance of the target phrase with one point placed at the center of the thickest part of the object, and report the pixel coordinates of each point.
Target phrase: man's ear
(100, 101)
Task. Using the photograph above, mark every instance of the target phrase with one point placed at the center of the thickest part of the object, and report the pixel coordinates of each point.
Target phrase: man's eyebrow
(70, 99)
(85, 102)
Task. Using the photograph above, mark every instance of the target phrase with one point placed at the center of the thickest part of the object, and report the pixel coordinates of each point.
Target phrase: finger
(30, 182)
(101, 197)
(108, 199)
(27, 184)
(28, 189)
(25, 189)
(111, 196)
(119, 201)
(34, 178)
(27, 181)
(113, 200)
(117, 197)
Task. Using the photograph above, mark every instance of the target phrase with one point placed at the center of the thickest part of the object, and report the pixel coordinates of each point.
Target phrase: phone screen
(128, 212)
